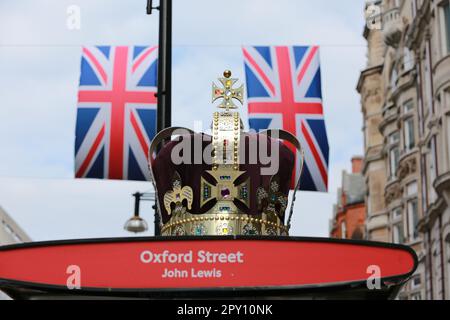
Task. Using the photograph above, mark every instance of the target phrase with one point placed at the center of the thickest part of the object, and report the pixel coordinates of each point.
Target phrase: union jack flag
(116, 117)
(284, 92)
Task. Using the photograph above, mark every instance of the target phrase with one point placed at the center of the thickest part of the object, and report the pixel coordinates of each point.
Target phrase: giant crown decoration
(220, 187)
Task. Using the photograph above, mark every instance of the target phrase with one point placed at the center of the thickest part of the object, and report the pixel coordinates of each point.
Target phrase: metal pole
(137, 200)
(164, 94)
(165, 65)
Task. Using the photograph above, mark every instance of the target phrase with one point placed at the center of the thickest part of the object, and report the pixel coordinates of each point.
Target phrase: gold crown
(223, 189)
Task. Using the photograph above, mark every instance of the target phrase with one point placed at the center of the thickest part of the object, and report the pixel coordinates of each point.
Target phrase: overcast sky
(39, 72)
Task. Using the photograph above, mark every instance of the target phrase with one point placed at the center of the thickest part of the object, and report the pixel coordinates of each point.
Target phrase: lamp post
(164, 94)
(136, 224)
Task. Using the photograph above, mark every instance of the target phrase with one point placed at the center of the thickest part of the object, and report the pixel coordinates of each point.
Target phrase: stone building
(405, 97)
(10, 232)
(429, 39)
(350, 211)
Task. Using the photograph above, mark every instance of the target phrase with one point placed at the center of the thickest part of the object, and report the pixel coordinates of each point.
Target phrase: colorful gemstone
(244, 193)
(224, 229)
(225, 193)
(225, 209)
(250, 230)
(199, 230)
(206, 192)
(179, 231)
(271, 232)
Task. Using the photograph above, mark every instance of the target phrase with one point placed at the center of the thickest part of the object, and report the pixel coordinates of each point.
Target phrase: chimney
(357, 164)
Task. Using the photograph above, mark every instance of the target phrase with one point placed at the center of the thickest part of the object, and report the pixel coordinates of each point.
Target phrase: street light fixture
(136, 224)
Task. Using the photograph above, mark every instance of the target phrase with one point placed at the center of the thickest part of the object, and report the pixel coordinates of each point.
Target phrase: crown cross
(227, 93)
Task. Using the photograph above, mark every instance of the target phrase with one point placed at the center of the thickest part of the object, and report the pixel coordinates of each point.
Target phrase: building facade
(349, 212)
(10, 233)
(405, 98)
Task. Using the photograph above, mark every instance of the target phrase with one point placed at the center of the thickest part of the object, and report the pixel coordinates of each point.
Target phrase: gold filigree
(176, 197)
(272, 201)
(216, 223)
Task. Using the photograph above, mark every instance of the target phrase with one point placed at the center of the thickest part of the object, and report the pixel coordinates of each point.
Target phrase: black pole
(164, 95)
(137, 200)
(165, 65)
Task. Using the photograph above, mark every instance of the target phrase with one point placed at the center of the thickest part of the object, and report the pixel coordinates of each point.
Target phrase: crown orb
(227, 74)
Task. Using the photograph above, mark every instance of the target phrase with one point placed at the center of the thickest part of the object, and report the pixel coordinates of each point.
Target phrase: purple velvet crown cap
(164, 171)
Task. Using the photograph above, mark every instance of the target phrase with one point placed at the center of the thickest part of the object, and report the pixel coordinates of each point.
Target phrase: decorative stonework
(370, 92)
(407, 167)
(392, 28)
(393, 193)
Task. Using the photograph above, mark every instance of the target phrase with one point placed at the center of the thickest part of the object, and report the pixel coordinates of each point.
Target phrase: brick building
(350, 210)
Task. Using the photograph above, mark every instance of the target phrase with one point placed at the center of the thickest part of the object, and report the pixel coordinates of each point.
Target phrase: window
(343, 231)
(416, 296)
(408, 106)
(448, 138)
(410, 140)
(394, 77)
(411, 189)
(408, 59)
(397, 214)
(416, 282)
(397, 233)
(413, 219)
(427, 81)
(446, 26)
(394, 138)
(446, 105)
(394, 153)
(432, 168)
(397, 226)
(448, 255)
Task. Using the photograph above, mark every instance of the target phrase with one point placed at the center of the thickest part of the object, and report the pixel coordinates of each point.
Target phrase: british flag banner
(116, 115)
(284, 91)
